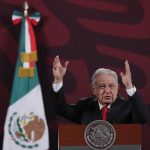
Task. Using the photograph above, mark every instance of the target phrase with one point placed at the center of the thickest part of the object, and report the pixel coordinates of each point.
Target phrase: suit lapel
(96, 113)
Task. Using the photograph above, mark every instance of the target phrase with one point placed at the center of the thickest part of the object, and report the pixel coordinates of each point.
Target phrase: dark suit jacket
(122, 111)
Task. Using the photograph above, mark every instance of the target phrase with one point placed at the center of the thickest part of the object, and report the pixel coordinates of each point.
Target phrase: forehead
(105, 78)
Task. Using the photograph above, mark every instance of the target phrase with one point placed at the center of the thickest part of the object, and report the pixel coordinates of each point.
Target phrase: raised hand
(59, 70)
(127, 77)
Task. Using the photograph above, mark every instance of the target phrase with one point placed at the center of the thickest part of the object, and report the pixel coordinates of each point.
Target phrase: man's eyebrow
(104, 83)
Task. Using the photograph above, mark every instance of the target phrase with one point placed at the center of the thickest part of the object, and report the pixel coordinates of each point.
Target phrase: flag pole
(26, 7)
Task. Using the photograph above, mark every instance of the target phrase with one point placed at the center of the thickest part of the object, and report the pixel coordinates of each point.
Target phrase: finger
(121, 74)
(56, 63)
(127, 67)
(56, 60)
(66, 64)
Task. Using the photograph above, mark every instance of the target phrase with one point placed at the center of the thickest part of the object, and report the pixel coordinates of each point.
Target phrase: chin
(107, 101)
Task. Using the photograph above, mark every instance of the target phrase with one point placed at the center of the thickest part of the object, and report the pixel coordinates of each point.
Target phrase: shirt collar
(101, 106)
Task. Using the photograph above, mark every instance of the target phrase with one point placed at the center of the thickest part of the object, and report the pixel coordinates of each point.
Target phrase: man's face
(105, 89)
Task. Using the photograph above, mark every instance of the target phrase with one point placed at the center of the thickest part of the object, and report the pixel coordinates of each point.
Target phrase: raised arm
(59, 70)
(127, 77)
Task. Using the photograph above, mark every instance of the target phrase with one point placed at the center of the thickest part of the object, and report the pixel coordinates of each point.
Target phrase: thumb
(66, 64)
(121, 74)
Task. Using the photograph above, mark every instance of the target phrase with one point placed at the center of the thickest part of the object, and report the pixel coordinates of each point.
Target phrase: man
(106, 104)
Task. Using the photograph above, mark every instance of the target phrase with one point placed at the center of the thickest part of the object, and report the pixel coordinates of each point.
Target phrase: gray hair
(102, 71)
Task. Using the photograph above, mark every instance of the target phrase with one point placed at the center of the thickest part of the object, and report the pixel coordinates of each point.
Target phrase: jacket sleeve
(64, 109)
(139, 110)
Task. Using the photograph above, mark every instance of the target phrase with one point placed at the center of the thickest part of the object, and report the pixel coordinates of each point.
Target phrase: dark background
(88, 33)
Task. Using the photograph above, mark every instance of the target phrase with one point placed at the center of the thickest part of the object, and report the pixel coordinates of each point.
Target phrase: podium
(128, 137)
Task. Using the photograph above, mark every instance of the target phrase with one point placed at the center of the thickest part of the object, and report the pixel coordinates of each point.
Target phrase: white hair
(102, 71)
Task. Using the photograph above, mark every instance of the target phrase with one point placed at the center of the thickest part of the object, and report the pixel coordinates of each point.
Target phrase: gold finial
(26, 6)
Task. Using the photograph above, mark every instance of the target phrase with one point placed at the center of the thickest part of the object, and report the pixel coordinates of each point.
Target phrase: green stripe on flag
(22, 86)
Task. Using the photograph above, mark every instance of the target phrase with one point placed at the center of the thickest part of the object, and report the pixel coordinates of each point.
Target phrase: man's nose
(107, 89)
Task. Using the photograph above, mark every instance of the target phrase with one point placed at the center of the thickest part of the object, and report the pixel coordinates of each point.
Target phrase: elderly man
(105, 104)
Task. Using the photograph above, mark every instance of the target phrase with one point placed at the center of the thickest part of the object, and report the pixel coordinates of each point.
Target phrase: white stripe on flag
(30, 103)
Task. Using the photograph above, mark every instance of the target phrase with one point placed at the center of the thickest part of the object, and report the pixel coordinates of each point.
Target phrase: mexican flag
(25, 125)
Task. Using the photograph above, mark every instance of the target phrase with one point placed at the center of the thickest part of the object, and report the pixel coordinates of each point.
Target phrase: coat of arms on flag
(25, 125)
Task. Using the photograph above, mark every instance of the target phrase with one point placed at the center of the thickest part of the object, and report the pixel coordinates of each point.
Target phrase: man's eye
(111, 86)
(101, 86)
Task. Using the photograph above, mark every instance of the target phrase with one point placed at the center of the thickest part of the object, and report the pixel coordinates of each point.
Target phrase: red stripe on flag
(32, 39)
(16, 21)
(33, 21)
